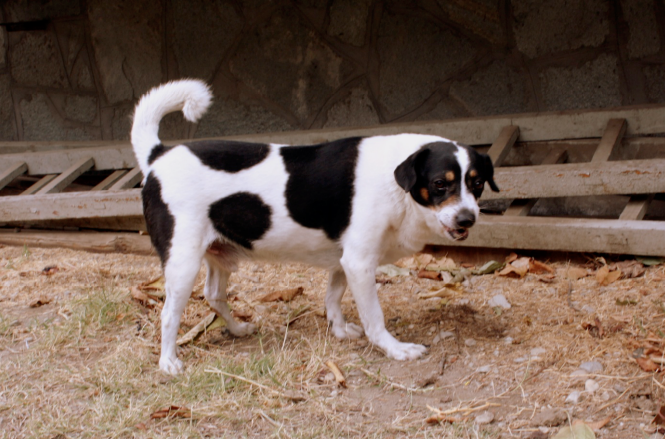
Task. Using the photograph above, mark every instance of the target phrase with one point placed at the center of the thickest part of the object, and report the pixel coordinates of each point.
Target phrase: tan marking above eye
(450, 176)
(424, 193)
(473, 173)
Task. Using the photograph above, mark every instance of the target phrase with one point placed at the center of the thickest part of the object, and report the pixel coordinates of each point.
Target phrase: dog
(347, 205)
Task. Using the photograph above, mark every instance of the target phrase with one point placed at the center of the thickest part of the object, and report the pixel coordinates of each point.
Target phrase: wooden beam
(580, 179)
(522, 209)
(89, 241)
(97, 204)
(110, 180)
(131, 179)
(566, 234)
(11, 173)
(502, 145)
(66, 178)
(39, 184)
(637, 207)
(56, 162)
(616, 128)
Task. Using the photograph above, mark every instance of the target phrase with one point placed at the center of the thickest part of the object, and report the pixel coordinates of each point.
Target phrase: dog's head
(447, 179)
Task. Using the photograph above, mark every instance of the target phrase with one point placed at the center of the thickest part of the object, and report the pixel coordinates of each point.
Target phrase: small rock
(463, 302)
(605, 396)
(619, 388)
(484, 369)
(436, 340)
(260, 309)
(500, 301)
(592, 366)
(579, 374)
(508, 340)
(588, 309)
(574, 397)
(484, 418)
(591, 386)
(537, 351)
(470, 342)
(520, 360)
(446, 334)
(549, 418)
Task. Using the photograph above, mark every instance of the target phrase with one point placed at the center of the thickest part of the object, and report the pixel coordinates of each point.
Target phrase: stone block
(3, 47)
(72, 41)
(348, 20)
(416, 57)
(543, 28)
(444, 109)
(356, 109)
(496, 89)
(483, 18)
(127, 40)
(201, 32)
(35, 10)
(288, 63)
(35, 60)
(7, 120)
(595, 84)
(643, 38)
(226, 117)
(41, 120)
(655, 82)
(80, 108)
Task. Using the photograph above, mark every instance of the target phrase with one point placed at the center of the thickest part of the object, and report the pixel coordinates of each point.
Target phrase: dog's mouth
(458, 234)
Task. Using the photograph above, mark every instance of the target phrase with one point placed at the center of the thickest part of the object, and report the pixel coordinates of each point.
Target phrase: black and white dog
(347, 205)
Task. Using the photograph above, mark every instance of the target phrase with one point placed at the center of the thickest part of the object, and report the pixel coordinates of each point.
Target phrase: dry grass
(85, 364)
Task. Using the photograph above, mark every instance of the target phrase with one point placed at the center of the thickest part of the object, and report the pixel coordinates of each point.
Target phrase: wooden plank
(580, 179)
(131, 179)
(110, 180)
(11, 173)
(502, 145)
(566, 234)
(97, 204)
(616, 128)
(89, 241)
(57, 162)
(523, 209)
(39, 184)
(637, 207)
(72, 173)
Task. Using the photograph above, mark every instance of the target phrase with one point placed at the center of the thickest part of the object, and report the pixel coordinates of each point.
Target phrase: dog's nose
(465, 219)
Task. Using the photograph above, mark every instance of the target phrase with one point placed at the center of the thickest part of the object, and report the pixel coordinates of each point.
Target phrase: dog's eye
(478, 184)
(439, 184)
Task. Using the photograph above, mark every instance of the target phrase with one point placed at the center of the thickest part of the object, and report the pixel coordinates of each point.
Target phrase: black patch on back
(320, 187)
(229, 156)
(158, 219)
(157, 152)
(241, 217)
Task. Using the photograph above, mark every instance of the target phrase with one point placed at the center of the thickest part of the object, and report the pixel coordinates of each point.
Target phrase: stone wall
(73, 69)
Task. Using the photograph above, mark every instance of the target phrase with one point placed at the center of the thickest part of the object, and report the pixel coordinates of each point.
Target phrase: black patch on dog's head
(158, 218)
(157, 152)
(484, 172)
(227, 155)
(320, 187)
(241, 217)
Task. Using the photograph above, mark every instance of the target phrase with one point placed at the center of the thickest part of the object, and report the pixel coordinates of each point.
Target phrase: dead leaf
(50, 270)
(517, 268)
(242, 315)
(547, 278)
(155, 288)
(283, 295)
(424, 259)
(39, 302)
(391, 270)
(575, 273)
(605, 277)
(579, 430)
(143, 298)
(537, 267)
(172, 412)
(595, 426)
(203, 325)
(141, 426)
(339, 376)
(595, 329)
(511, 257)
(425, 274)
(660, 416)
(443, 292)
(647, 364)
(489, 267)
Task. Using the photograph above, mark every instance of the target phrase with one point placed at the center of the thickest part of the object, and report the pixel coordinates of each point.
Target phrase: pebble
(537, 351)
(592, 366)
(436, 340)
(445, 334)
(470, 342)
(484, 369)
(591, 386)
(508, 340)
(500, 301)
(588, 309)
(549, 418)
(605, 396)
(520, 360)
(260, 309)
(574, 396)
(484, 418)
(463, 302)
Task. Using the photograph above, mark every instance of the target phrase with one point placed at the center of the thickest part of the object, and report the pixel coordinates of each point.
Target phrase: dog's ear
(406, 174)
(488, 172)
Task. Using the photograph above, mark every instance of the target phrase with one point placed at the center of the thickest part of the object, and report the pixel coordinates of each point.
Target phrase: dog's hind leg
(336, 288)
(215, 293)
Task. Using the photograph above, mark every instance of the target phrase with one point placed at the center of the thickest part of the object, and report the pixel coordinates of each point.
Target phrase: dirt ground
(78, 354)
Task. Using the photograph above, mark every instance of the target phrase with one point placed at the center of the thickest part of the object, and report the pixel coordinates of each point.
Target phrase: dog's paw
(171, 366)
(242, 329)
(405, 351)
(347, 330)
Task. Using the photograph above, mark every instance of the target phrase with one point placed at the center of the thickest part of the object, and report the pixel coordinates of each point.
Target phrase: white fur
(386, 223)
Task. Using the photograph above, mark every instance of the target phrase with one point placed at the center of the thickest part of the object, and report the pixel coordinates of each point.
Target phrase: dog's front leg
(361, 276)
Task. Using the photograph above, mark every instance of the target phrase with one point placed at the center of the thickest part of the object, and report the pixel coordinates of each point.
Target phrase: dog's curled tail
(192, 96)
